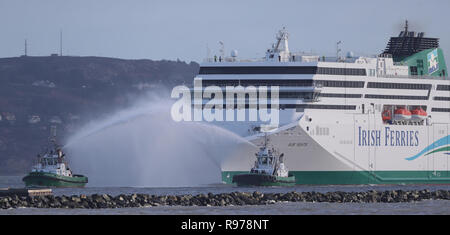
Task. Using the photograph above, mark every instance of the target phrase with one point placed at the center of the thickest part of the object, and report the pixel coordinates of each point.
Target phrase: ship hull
(357, 151)
(357, 177)
(251, 179)
(42, 179)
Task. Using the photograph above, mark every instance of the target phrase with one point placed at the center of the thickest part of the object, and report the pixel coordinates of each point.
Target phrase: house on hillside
(45, 83)
(33, 119)
(9, 117)
(55, 120)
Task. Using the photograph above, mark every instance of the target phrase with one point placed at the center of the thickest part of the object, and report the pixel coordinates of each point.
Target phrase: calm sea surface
(423, 207)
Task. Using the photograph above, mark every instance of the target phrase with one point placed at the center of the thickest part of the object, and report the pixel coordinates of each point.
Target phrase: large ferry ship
(348, 120)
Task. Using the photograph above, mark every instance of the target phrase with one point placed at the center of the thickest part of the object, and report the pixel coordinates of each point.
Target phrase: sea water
(421, 207)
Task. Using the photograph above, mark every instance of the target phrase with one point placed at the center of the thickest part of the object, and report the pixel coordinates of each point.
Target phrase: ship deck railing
(298, 58)
(413, 77)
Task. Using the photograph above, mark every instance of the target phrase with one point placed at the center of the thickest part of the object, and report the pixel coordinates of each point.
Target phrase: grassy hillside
(36, 92)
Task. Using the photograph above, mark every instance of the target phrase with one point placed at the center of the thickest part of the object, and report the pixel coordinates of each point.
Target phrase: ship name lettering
(368, 137)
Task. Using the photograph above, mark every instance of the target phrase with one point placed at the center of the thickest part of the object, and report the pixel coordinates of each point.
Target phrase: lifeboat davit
(418, 114)
(386, 115)
(402, 114)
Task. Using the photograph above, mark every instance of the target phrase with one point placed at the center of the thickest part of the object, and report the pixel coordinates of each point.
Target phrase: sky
(184, 29)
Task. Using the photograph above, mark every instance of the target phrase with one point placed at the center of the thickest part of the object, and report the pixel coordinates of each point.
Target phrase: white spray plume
(143, 147)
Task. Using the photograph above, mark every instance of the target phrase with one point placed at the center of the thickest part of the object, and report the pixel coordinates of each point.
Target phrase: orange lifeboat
(418, 114)
(402, 114)
(386, 115)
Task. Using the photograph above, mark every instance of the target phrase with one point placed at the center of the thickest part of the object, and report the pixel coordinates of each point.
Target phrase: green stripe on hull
(360, 177)
(254, 179)
(41, 179)
(439, 150)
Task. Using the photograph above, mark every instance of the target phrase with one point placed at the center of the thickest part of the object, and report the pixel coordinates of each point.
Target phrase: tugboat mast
(406, 26)
(265, 140)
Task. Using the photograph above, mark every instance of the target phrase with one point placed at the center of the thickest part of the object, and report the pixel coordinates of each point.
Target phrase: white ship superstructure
(353, 120)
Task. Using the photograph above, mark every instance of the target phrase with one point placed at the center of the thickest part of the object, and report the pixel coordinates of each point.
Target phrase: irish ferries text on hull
(348, 120)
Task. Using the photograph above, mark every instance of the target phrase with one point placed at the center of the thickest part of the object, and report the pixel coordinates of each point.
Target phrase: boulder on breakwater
(97, 201)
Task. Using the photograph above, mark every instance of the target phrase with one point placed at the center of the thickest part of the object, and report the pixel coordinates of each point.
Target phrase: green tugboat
(269, 170)
(52, 169)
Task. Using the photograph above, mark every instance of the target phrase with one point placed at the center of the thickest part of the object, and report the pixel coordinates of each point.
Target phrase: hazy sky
(154, 29)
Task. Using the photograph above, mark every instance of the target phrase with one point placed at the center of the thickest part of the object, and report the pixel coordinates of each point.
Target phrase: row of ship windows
(288, 82)
(408, 86)
(443, 87)
(301, 83)
(441, 98)
(341, 71)
(340, 95)
(281, 95)
(319, 106)
(283, 70)
(345, 107)
(325, 83)
(349, 84)
(396, 97)
(311, 95)
(299, 107)
(368, 96)
(444, 110)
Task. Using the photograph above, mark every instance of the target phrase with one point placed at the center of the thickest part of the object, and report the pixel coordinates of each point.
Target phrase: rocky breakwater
(97, 201)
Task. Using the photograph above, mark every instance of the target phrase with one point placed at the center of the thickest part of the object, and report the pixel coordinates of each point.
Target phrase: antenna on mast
(222, 49)
(265, 139)
(406, 26)
(25, 47)
(338, 50)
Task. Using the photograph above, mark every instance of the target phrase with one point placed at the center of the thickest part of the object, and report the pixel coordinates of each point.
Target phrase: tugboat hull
(43, 179)
(252, 179)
